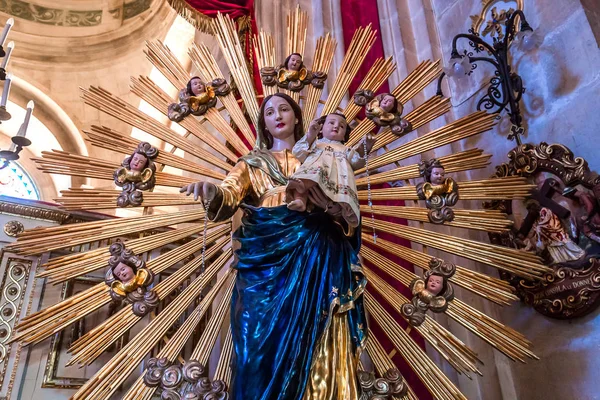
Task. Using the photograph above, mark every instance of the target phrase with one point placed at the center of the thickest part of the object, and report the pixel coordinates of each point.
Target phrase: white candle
(6, 90)
(25, 124)
(9, 50)
(7, 27)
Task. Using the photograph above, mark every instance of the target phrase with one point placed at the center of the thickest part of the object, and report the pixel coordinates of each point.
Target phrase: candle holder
(19, 141)
(506, 86)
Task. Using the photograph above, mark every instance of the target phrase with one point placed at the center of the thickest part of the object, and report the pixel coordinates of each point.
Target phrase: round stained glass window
(15, 182)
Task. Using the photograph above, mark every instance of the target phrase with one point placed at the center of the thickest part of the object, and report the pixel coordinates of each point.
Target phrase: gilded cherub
(386, 111)
(136, 173)
(292, 74)
(432, 292)
(439, 192)
(197, 97)
(129, 279)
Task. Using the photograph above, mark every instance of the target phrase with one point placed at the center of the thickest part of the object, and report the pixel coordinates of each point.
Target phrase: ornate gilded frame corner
(478, 20)
(567, 293)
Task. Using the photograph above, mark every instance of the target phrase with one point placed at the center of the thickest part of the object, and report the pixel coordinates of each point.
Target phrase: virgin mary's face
(280, 119)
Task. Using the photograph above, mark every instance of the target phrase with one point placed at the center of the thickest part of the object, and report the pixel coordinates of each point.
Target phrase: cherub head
(389, 103)
(138, 162)
(124, 272)
(435, 284)
(335, 127)
(195, 86)
(293, 62)
(435, 173)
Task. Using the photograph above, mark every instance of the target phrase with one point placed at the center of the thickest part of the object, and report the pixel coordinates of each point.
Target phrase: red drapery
(238, 10)
(352, 20)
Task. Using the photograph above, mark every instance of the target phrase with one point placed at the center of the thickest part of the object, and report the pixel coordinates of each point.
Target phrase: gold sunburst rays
(112, 375)
(264, 48)
(455, 162)
(483, 220)
(60, 269)
(416, 81)
(106, 199)
(209, 70)
(493, 289)
(463, 359)
(463, 128)
(229, 42)
(147, 90)
(64, 163)
(377, 75)
(109, 139)
(90, 346)
(503, 338)
(516, 262)
(44, 323)
(382, 362)
(432, 377)
(323, 58)
(511, 188)
(296, 28)
(106, 102)
(46, 239)
(359, 47)
(223, 371)
(139, 391)
(167, 64)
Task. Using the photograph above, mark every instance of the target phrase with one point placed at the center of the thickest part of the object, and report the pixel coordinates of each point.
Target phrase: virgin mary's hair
(261, 126)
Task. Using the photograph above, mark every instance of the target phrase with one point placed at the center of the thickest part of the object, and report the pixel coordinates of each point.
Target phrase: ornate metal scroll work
(390, 386)
(136, 174)
(187, 381)
(13, 228)
(440, 193)
(197, 104)
(384, 110)
(432, 292)
(572, 195)
(496, 19)
(129, 279)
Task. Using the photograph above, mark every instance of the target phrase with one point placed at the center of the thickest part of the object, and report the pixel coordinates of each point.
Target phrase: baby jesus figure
(328, 165)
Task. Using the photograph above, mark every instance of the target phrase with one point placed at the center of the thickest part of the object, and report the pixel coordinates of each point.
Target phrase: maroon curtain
(352, 20)
(234, 8)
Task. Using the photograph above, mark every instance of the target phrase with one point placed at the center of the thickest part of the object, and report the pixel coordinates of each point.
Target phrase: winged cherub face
(437, 176)
(123, 272)
(138, 162)
(197, 86)
(435, 284)
(387, 103)
(294, 62)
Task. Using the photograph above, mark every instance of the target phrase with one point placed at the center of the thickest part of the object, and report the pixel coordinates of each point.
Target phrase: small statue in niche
(197, 97)
(440, 193)
(432, 292)
(137, 173)
(548, 234)
(384, 110)
(129, 279)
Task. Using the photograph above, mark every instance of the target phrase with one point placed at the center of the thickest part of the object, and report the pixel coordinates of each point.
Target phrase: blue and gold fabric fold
(297, 304)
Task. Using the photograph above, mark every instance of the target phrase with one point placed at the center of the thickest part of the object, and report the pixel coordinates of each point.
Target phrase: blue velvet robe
(294, 271)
